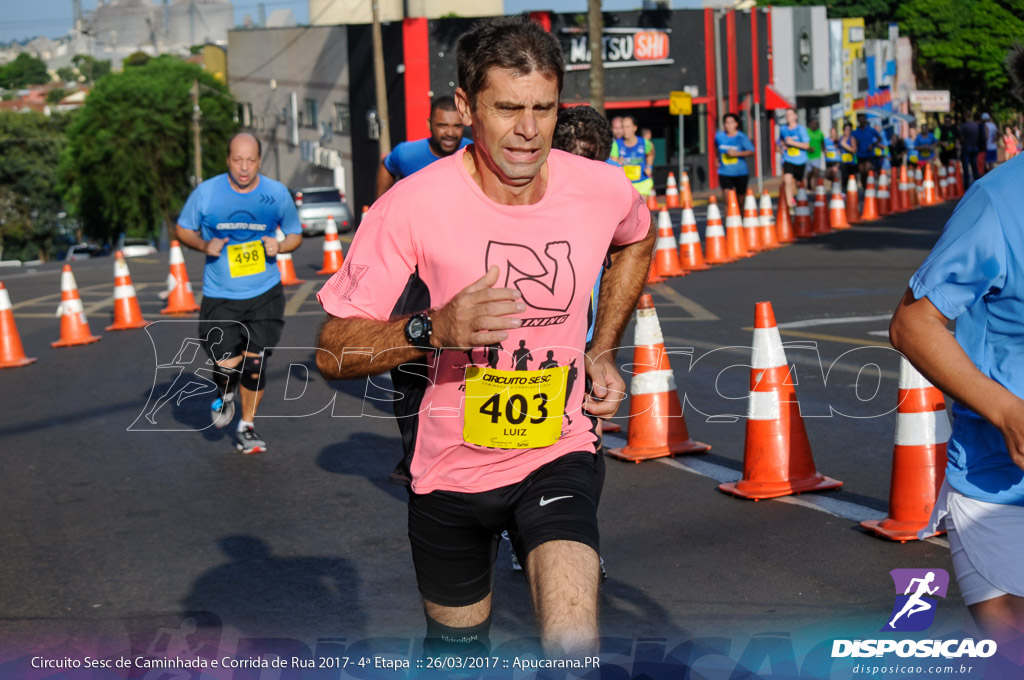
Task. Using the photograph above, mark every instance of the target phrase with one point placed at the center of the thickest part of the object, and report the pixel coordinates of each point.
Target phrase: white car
(137, 247)
(316, 204)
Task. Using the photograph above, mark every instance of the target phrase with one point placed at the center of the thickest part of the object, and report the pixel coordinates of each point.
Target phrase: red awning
(774, 100)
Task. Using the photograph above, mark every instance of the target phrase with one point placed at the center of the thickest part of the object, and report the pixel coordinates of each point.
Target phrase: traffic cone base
(12, 353)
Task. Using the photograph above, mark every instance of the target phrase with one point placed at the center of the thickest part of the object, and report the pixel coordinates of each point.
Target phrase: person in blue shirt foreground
(733, 149)
(975, 274)
(233, 218)
(408, 157)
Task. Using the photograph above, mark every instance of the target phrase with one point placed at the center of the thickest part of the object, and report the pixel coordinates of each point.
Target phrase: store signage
(935, 101)
(621, 48)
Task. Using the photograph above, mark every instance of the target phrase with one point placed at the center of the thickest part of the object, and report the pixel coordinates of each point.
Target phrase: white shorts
(985, 541)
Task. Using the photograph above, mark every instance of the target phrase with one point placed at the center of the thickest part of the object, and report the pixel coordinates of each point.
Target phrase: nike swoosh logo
(545, 501)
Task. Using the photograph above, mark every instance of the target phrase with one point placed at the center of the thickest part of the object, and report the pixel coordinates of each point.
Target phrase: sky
(53, 18)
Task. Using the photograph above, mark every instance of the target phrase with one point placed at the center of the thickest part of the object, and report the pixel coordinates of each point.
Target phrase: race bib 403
(514, 409)
(245, 259)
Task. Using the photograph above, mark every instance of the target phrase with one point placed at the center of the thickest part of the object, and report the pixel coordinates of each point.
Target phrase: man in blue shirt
(234, 218)
(408, 157)
(974, 275)
(868, 139)
(794, 141)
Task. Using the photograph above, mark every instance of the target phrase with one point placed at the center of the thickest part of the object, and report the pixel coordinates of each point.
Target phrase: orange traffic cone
(716, 250)
(928, 187)
(852, 199)
(777, 458)
(752, 223)
(917, 195)
(74, 327)
(837, 208)
(802, 214)
(870, 212)
(12, 354)
(656, 424)
(884, 194)
(895, 195)
(783, 225)
(672, 192)
(666, 257)
(652, 274)
(918, 457)
(127, 313)
(333, 257)
(179, 291)
(286, 266)
(685, 195)
(943, 184)
(959, 170)
(905, 189)
(820, 220)
(690, 256)
(652, 200)
(734, 232)
(766, 220)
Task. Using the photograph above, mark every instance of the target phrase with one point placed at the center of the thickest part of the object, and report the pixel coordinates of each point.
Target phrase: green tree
(23, 71)
(962, 47)
(129, 155)
(136, 59)
(67, 74)
(93, 69)
(55, 95)
(30, 200)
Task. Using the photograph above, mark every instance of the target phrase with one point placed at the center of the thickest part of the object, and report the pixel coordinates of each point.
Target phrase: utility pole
(595, 34)
(197, 150)
(379, 83)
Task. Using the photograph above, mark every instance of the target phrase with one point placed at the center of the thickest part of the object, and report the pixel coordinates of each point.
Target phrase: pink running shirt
(436, 232)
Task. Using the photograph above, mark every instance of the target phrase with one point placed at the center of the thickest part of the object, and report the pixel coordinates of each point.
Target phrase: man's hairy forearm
(621, 285)
(356, 348)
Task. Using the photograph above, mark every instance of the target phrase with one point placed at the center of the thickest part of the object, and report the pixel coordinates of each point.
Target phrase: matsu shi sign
(621, 47)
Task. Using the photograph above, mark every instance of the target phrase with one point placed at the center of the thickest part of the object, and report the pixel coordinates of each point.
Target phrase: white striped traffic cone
(74, 327)
(127, 313)
(333, 257)
(656, 424)
(918, 457)
(777, 458)
(12, 354)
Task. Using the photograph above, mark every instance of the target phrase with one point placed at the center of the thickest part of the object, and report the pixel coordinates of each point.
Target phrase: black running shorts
(228, 328)
(736, 182)
(792, 169)
(454, 536)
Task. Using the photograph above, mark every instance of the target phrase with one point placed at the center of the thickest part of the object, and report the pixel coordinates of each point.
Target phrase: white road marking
(823, 503)
(808, 323)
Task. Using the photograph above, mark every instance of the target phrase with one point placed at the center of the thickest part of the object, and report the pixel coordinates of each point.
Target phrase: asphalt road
(122, 516)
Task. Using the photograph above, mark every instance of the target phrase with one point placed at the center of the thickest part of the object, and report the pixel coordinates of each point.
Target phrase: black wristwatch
(418, 330)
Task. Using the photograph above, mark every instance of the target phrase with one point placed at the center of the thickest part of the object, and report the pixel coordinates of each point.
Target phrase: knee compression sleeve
(442, 640)
(252, 373)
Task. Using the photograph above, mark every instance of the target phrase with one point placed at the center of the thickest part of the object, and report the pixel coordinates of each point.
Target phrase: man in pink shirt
(452, 275)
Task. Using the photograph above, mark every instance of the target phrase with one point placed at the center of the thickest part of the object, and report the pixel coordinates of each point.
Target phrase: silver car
(316, 204)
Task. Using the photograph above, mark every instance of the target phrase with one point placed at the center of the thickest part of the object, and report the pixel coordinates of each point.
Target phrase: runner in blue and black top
(734, 148)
